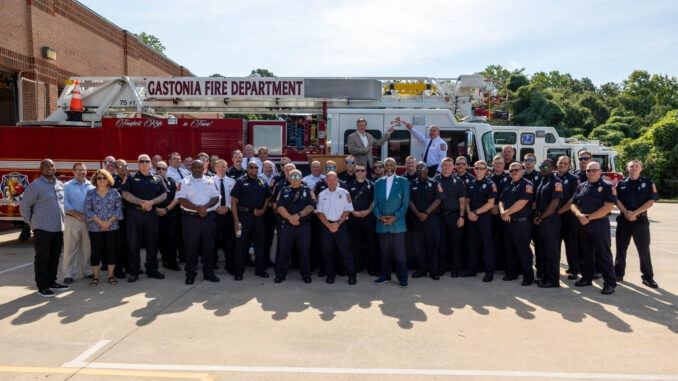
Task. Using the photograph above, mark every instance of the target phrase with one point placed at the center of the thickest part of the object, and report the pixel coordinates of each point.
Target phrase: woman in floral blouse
(103, 209)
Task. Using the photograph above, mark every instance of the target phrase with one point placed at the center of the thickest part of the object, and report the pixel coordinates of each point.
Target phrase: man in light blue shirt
(77, 247)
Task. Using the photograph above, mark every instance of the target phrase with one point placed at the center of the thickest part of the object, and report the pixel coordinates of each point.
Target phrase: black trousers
(199, 241)
(569, 233)
(595, 250)
(270, 226)
(316, 245)
(142, 227)
(168, 237)
(517, 235)
(392, 247)
(48, 247)
(498, 242)
(639, 230)
(450, 242)
(289, 236)
(363, 242)
(253, 231)
(180, 237)
(427, 242)
(538, 253)
(549, 241)
(481, 244)
(338, 240)
(225, 239)
(104, 247)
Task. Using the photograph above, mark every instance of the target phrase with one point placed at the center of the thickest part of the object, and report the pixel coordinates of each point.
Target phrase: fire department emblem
(12, 186)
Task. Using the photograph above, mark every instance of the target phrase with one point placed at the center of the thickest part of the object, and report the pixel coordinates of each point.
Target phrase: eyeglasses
(350, 162)
(592, 170)
(514, 170)
(253, 166)
(295, 177)
(330, 168)
(109, 162)
(479, 168)
(530, 160)
(160, 168)
(361, 170)
(460, 164)
(584, 158)
(144, 161)
(101, 178)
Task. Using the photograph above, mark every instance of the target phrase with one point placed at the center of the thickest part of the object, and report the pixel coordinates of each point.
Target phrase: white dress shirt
(363, 138)
(437, 151)
(177, 174)
(311, 180)
(198, 191)
(229, 183)
(389, 184)
(333, 204)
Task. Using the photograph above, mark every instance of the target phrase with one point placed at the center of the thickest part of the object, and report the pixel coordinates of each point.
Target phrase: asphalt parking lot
(257, 330)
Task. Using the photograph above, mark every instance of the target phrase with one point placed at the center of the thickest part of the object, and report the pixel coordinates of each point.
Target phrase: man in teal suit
(391, 199)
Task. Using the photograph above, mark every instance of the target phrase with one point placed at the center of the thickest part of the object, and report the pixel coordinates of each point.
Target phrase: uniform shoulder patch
(614, 190)
(440, 188)
(654, 188)
(494, 187)
(558, 187)
(443, 147)
(529, 189)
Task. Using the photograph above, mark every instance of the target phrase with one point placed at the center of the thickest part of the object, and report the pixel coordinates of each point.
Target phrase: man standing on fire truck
(143, 191)
(360, 144)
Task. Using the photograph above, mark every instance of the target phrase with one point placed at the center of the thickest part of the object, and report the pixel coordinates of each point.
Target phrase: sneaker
(46, 293)
(381, 280)
(58, 287)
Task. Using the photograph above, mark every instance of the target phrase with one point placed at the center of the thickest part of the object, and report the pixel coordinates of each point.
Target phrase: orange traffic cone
(75, 109)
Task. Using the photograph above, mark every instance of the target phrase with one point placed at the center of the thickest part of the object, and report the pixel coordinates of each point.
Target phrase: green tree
(152, 42)
(532, 106)
(261, 73)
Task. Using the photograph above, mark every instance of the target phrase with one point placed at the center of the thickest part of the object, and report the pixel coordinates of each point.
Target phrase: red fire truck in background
(124, 117)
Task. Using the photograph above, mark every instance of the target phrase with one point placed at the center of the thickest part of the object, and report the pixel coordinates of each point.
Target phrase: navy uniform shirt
(534, 177)
(280, 183)
(144, 187)
(362, 194)
(411, 177)
(634, 193)
(467, 177)
(171, 192)
(294, 200)
(480, 192)
(453, 190)
(345, 177)
(581, 175)
(521, 190)
(550, 188)
(590, 197)
(424, 192)
(501, 181)
(570, 183)
(322, 185)
(235, 174)
(251, 193)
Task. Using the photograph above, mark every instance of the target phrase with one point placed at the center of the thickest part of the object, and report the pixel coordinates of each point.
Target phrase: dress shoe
(373, 273)
(649, 282)
(547, 284)
(307, 279)
(619, 278)
(607, 289)
(381, 280)
(419, 274)
(488, 278)
(509, 277)
(212, 278)
(262, 274)
(434, 276)
(119, 274)
(133, 278)
(329, 279)
(527, 282)
(190, 279)
(68, 280)
(583, 282)
(155, 274)
(454, 273)
(403, 284)
(279, 279)
(352, 279)
(573, 276)
(467, 274)
(237, 277)
(597, 275)
(322, 273)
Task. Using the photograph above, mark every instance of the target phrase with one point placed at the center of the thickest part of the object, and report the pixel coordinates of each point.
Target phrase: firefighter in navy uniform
(461, 166)
(295, 204)
(236, 170)
(249, 201)
(515, 209)
(452, 210)
(635, 195)
(548, 200)
(592, 204)
(122, 256)
(500, 177)
(584, 159)
(361, 223)
(167, 211)
(481, 197)
(569, 225)
(425, 198)
(143, 192)
(533, 175)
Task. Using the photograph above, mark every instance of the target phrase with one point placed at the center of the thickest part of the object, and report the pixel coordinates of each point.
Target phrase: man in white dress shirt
(315, 176)
(436, 148)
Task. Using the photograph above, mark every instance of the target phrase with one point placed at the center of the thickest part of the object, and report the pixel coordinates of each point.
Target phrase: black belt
(191, 213)
(141, 209)
(519, 219)
(244, 209)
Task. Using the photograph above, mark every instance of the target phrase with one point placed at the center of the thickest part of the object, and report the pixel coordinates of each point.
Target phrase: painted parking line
(122, 374)
(16, 268)
(81, 362)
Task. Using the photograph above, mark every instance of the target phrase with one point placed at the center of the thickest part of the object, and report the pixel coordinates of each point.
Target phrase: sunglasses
(584, 158)
(530, 160)
(361, 170)
(295, 177)
(253, 166)
(144, 161)
(350, 162)
(514, 170)
(160, 168)
(330, 168)
(592, 170)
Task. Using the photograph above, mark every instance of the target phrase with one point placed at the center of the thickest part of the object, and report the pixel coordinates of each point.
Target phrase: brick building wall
(85, 43)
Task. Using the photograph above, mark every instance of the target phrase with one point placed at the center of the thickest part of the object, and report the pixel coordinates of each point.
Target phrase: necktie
(426, 153)
(223, 193)
(180, 175)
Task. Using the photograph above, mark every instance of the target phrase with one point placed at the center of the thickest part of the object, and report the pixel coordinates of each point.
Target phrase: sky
(601, 40)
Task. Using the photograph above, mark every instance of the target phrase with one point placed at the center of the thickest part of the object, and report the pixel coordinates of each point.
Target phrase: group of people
(436, 215)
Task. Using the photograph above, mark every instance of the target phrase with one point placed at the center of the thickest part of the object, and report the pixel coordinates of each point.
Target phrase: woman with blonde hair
(103, 210)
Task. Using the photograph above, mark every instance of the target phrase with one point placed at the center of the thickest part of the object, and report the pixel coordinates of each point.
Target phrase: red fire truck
(125, 117)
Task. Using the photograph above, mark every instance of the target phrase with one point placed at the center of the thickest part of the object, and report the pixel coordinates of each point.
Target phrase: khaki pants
(77, 248)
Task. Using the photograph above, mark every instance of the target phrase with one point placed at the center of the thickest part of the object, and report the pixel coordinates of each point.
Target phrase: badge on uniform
(600, 189)
(566, 181)
(484, 186)
(643, 185)
(369, 186)
(304, 194)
